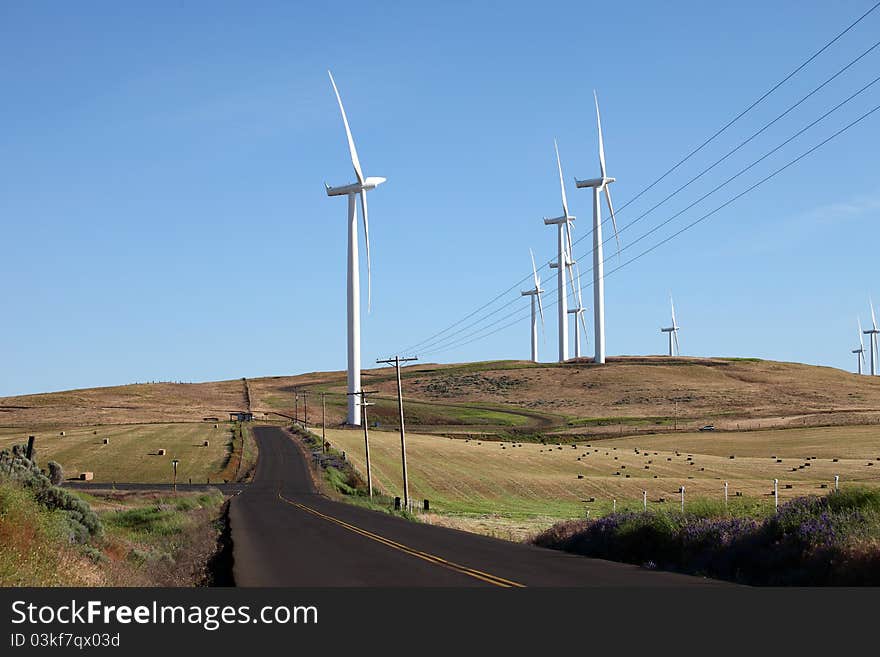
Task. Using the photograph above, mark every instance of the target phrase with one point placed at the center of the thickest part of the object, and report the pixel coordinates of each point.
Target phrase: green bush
(833, 539)
(56, 473)
(82, 522)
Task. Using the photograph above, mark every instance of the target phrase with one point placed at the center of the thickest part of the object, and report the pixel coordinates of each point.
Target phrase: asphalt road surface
(285, 533)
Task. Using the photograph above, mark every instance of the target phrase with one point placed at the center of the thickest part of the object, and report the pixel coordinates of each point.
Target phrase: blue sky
(162, 178)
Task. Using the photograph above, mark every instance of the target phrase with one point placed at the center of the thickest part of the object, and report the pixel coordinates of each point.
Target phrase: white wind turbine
(673, 332)
(599, 185)
(354, 190)
(872, 340)
(535, 293)
(861, 350)
(563, 240)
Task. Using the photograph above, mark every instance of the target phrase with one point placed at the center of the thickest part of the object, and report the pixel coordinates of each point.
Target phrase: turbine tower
(598, 185)
(872, 340)
(352, 191)
(673, 333)
(563, 223)
(535, 293)
(861, 350)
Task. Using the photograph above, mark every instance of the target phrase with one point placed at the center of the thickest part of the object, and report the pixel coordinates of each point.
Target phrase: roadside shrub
(810, 541)
(82, 522)
(56, 473)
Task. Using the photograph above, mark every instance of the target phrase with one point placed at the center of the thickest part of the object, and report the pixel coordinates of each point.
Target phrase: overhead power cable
(687, 157)
(451, 336)
(692, 224)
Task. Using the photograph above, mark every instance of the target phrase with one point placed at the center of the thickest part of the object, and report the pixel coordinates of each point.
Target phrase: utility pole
(306, 407)
(295, 405)
(323, 424)
(397, 360)
(363, 404)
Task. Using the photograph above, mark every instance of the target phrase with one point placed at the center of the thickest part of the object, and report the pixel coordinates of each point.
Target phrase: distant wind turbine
(535, 293)
(564, 256)
(673, 332)
(599, 185)
(872, 340)
(353, 190)
(860, 358)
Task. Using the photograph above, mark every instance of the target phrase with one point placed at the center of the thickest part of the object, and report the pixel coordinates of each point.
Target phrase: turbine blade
(861, 338)
(672, 305)
(571, 281)
(367, 241)
(675, 340)
(601, 141)
(873, 319)
(541, 311)
(584, 325)
(580, 294)
(613, 220)
(535, 271)
(568, 238)
(561, 181)
(351, 149)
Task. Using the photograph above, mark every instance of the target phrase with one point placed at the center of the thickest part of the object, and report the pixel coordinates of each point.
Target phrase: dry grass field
(506, 484)
(629, 395)
(131, 404)
(507, 398)
(132, 453)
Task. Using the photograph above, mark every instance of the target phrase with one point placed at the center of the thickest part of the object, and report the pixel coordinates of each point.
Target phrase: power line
(436, 343)
(687, 227)
(687, 157)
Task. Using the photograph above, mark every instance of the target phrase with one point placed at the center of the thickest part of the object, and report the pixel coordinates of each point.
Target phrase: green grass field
(473, 477)
(131, 455)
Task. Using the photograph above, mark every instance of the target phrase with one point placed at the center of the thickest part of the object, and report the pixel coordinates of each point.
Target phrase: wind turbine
(872, 341)
(599, 185)
(535, 293)
(673, 332)
(861, 350)
(564, 258)
(352, 191)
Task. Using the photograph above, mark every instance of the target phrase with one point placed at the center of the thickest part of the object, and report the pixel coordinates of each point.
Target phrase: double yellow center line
(425, 556)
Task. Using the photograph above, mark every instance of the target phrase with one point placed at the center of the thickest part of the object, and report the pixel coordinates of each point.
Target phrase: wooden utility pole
(323, 424)
(295, 405)
(397, 360)
(306, 407)
(363, 395)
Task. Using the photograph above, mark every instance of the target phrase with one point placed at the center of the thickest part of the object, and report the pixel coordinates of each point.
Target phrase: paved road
(284, 533)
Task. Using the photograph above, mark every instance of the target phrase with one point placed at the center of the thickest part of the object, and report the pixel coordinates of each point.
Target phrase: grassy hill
(628, 395)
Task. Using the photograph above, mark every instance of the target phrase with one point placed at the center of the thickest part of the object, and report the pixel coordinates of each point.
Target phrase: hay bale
(106, 441)
(205, 443)
(86, 476)
(62, 434)
(161, 452)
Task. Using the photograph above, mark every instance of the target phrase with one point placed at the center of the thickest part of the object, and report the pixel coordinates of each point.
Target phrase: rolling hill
(628, 395)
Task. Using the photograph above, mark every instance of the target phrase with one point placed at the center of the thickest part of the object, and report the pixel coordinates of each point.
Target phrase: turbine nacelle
(558, 220)
(369, 183)
(593, 182)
